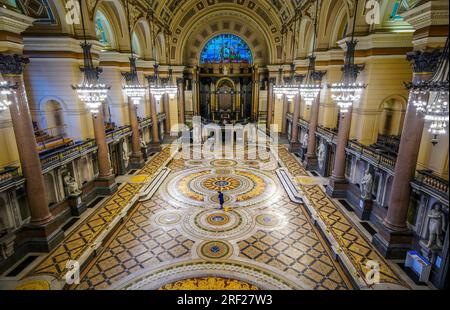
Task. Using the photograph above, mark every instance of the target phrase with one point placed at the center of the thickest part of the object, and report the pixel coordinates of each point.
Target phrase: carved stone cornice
(424, 61)
(12, 64)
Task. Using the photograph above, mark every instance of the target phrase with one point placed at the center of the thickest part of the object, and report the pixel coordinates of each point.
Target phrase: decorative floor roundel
(215, 250)
(198, 187)
(217, 224)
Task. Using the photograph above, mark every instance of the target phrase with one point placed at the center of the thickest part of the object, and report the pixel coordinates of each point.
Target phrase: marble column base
(42, 238)
(153, 147)
(310, 163)
(77, 206)
(295, 147)
(392, 244)
(337, 188)
(106, 185)
(364, 209)
(136, 161)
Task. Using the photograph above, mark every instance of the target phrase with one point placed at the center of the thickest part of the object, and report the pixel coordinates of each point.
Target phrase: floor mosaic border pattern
(355, 246)
(82, 237)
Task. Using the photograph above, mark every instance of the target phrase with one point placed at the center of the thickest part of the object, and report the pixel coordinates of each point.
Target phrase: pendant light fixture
(348, 90)
(436, 110)
(312, 87)
(133, 89)
(156, 88)
(6, 89)
(171, 89)
(90, 91)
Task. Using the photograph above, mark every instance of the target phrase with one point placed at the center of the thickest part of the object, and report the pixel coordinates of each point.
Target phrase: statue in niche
(71, 185)
(305, 141)
(366, 185)
(321, 155)
(436, 227)
(125, 156)
(143, 144)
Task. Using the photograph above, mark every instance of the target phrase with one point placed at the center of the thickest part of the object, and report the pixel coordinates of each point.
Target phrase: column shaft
(28, 154)
(313, 121)
(136, 153)
(270, 103)
(343, 134)
(104, 162)
(181, 102)
(166, 102)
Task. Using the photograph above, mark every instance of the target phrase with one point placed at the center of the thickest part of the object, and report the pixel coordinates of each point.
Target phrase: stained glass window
(226, 48)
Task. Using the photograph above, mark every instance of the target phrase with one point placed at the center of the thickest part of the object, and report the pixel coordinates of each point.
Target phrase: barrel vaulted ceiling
(184, 26)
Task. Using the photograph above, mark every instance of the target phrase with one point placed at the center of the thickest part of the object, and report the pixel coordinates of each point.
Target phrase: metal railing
(433, 182)
(64, 154)
(8, 174)
(385, 160)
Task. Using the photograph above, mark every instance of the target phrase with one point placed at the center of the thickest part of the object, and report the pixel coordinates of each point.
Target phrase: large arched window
(103, 30)
(226, 48)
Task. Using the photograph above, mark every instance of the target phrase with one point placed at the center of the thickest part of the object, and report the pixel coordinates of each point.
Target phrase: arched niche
(391, 116)
(52, 119)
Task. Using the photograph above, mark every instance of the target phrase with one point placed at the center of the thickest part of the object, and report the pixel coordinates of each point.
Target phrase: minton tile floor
(180, 239)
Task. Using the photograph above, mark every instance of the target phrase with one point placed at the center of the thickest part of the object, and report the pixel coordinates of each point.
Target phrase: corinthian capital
(12, 64)
(424, 61)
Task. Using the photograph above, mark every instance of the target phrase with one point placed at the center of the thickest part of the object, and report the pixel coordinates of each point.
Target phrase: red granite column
(394, 237)
(105, 180)
(294, 145)
(136, 158)
(311, 156)
(181, 102)
(26, 145)
(270, 102)
(166, 102)
(154, 144)
(338, 183)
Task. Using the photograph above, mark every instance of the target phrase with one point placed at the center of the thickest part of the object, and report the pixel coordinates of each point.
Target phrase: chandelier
(310, 89)
(435, 110)
(288, 89)
(132, 89)
(348, 90)
(5, 90)
(90, 91)
(171, 89)
(156, 89)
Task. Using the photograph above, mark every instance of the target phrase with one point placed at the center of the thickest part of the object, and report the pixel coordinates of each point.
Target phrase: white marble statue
(125, 156)
(366, 185)
(143, 144)
(71, 185)
(321, 155)
(305, 141)
(436, 227)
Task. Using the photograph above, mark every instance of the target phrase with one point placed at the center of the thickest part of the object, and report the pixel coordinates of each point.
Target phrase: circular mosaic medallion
(268, 220)
(197, 188)
(218, 219)
(221, 183)
(168, 219)
(223, 163)
(215, 250)
(217, 224)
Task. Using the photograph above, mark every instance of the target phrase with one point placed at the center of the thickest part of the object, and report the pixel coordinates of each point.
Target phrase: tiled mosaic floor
(179, 239)
(261, 240)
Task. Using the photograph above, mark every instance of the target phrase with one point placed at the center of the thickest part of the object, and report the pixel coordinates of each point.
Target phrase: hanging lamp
(90, 91)
(348, 90)
(311, 89)
(133, 89)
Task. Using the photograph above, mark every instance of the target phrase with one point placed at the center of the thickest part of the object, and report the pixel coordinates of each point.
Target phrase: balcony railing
(8, 174)
(385, 160)
(64, 154)
(433, 182)
(145, 122)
